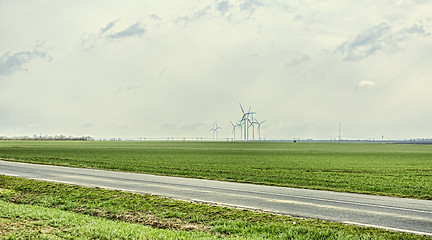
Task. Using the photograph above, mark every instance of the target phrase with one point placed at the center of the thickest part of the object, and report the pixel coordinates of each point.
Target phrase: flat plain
(402, 170)
(32, 209)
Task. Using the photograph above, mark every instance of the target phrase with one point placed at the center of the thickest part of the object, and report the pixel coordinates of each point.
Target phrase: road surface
(396, 214)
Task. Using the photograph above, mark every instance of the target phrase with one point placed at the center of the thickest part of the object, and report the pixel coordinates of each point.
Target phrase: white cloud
(297, 61)
(108, 26)
(367, 84)
(250, 5)
(195, 16)
(223, 7)
(376, 39)
(134, 30)
(11, 63)
(108, 32)
(156, 17)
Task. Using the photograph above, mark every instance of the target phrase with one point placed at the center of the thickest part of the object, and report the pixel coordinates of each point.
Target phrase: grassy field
(385, 169)
(41, 210)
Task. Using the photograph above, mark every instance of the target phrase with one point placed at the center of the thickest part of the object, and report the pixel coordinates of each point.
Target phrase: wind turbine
(239, 124)
(234, 129)
(215, 130)
(246, 123)
(259, 128)
(243, 122)
(252, 123)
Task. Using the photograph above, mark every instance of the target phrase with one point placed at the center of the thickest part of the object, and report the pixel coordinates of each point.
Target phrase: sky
(158, 69)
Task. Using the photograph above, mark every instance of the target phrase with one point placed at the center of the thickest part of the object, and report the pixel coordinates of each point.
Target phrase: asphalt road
(396, 214)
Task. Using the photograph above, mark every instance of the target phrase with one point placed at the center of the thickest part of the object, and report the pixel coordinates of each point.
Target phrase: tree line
(49, 138)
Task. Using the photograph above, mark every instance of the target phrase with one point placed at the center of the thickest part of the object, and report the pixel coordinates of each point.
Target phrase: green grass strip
(83, 206)
(35, 222)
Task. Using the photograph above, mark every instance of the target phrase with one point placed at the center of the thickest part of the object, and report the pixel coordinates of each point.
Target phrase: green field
(385, 169)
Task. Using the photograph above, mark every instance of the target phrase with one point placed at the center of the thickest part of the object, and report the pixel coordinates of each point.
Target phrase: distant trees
(49, 138)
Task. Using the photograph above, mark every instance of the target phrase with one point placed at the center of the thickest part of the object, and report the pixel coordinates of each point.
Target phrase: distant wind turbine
(252, 123)
(243, 122)
(234, 129)
(215, 129)
(259, 128)
(246, 122)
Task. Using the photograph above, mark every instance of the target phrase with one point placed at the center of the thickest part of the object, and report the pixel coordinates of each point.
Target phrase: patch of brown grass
(144, 219)
(8, 226)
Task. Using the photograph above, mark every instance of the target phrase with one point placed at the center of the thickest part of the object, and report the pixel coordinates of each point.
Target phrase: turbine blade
(241, 108)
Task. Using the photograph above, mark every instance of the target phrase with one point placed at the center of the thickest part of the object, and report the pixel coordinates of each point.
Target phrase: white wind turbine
(246, 123)
(259, 128)
(249, 123)
(234, 129)
(252, 122)
(243, 122)
(215, 129)
(239, 124)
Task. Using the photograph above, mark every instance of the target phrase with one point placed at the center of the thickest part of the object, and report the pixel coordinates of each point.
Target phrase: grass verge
(32, 209)
(35, 222)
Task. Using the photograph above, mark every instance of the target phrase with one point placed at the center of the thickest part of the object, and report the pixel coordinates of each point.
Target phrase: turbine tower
(252, 123)
(234, 129)
(239, 124)
(215, 129)
(259, 128)
(243, 122)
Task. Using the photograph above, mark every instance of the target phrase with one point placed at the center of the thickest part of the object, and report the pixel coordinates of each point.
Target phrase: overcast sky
(155, 68)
